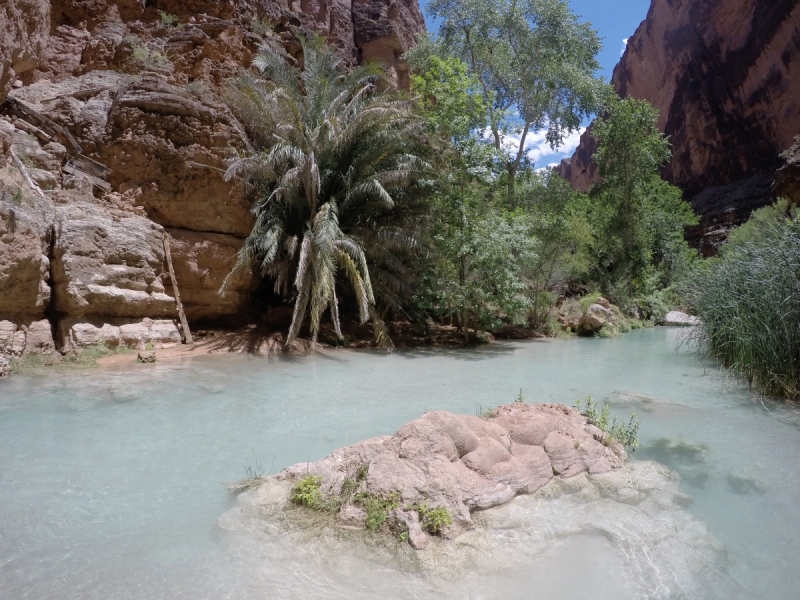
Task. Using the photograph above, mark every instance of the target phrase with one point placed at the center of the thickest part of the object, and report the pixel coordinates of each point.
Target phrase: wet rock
(5, 366)
(464, 463)
(417, 538)
(146, 356)
(351, 517)
(677, 318)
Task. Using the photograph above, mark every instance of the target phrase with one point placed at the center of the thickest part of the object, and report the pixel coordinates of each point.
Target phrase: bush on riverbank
(749, 303)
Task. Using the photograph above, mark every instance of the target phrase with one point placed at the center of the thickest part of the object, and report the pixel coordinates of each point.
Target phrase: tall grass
(749, 302)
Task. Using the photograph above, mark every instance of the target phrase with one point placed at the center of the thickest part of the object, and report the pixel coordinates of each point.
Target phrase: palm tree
(331, 152)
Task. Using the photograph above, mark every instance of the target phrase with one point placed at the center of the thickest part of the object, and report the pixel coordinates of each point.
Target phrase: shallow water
(111, 481)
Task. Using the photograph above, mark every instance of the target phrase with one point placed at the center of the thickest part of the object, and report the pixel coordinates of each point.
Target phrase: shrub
(377, 508)
(306, 492)
(435, 519)
(749, 304)
(167, 20)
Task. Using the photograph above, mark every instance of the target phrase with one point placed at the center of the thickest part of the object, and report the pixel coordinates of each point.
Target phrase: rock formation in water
(725, 78)
(460, 463)
(113, 139)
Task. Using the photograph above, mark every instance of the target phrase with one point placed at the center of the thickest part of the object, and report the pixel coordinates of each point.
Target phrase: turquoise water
(112, 481)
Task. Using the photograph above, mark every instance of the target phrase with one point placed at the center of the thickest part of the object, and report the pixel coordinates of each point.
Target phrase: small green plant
(520, 397)
(377, 508)
(167, 20)
(485, 413)
(142, 58)
(254, 476)
(434, 519)
(148, 346)
(589, 299)
(307, 493)
(627, 434)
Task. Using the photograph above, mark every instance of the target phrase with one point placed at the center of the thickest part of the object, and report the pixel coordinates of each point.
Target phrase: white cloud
(537, 147)
(624, 45)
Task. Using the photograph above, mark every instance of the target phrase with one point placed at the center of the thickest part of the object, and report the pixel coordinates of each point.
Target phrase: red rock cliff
(725, 78)
(114, 139)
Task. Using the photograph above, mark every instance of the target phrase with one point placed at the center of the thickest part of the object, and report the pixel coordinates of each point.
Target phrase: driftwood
(187, 335)
(25, 174)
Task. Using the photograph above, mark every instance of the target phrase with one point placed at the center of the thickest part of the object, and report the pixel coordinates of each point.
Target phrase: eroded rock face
(725, 78)
(169, 149)
(25, 233)
(24, 34)
(202, 262)
(77, 333)
(108, 262)
(143, 96)
(465, 463)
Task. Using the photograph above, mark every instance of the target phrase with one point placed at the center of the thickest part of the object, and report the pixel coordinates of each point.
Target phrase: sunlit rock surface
(464, 463)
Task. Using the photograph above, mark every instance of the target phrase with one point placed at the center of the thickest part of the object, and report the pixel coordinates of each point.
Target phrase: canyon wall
(725, 78)
(114, 139)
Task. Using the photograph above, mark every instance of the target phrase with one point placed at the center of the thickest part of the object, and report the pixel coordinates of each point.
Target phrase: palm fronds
(332, 156)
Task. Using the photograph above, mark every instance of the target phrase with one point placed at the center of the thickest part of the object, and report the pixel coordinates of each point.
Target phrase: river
(112, 480)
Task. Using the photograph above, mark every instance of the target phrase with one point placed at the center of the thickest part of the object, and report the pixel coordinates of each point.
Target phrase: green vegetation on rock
(624, 433)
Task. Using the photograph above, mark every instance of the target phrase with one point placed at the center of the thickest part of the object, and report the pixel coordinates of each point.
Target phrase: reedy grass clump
(627, 434)
(749, 304)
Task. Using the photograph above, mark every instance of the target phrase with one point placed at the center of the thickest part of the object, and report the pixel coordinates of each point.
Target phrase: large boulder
(108, 262)
(462, 463)
(595, 317)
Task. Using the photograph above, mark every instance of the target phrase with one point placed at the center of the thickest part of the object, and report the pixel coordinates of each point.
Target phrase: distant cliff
(725, 78)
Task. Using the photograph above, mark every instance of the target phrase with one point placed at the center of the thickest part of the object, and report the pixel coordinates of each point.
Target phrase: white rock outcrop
(677, 318)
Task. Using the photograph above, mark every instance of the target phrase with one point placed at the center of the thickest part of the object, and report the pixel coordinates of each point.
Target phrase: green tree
(560, 225)
(448, 97)
(639, 218)
(474, 275)
(331, 156)
(535, 63)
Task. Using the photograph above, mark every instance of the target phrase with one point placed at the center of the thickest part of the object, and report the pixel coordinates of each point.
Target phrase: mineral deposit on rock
(463, 463)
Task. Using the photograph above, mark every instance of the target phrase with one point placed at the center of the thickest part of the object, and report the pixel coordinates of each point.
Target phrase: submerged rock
(458, 463)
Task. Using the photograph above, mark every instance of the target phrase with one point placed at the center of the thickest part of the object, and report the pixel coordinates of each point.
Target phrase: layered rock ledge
(460, 463)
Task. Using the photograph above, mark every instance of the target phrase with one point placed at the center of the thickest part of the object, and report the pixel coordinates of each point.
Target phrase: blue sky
(615, 21)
